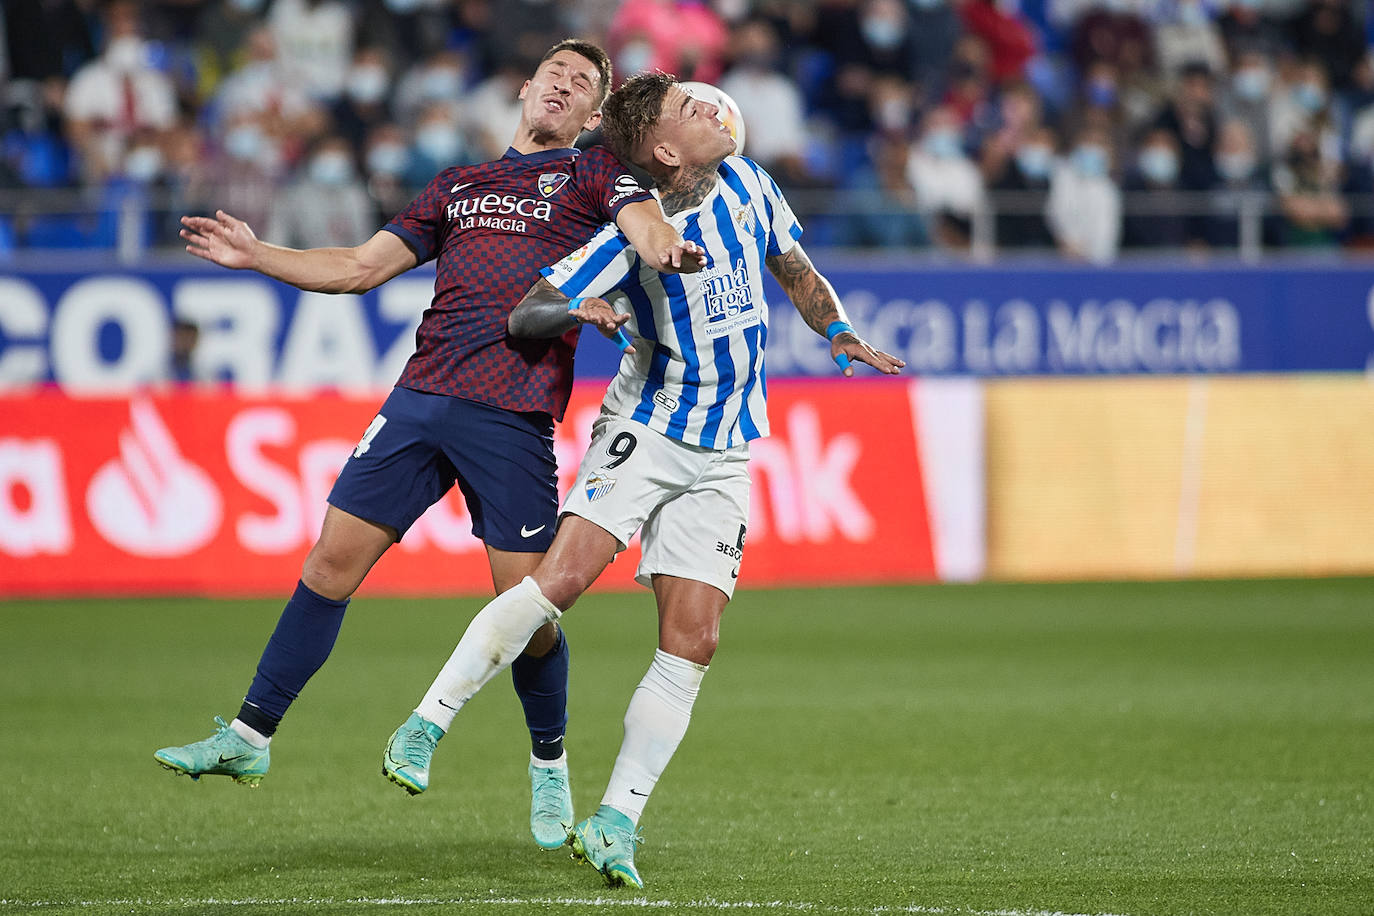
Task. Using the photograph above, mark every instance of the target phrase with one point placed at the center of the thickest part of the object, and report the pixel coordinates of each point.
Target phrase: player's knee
(329, 575)
(694, 643)
(560, 586)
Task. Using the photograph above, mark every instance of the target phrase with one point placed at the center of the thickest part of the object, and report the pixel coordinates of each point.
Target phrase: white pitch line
(707, 904)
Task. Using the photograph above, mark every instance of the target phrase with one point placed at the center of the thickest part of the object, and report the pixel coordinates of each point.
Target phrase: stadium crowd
(1090, 127)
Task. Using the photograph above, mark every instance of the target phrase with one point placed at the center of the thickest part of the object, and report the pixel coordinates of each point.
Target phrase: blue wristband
(576, 303)
(839, 327)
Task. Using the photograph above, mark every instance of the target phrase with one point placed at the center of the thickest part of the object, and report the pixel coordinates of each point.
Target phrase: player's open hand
(682, 257)
(848, 346)
(599, 314)
(223, 239)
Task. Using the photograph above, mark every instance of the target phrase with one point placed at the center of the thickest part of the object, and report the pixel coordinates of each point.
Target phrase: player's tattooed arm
(821, 309)
(544, 312)
(810, 292)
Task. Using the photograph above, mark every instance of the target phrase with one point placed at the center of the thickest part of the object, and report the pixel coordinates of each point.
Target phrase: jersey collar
(543, 155)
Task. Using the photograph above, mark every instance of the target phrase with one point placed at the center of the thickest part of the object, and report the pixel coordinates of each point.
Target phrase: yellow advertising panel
(1180, 476)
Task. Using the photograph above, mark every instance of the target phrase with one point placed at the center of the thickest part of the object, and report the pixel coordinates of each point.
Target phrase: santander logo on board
(149, 500)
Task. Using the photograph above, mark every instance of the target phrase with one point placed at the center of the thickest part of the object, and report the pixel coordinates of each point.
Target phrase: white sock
(491, 642)
(560, 764)
(250, 734)
(659, 713)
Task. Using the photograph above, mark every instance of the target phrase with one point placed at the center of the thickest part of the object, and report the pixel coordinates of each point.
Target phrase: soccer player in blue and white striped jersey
(669, 452)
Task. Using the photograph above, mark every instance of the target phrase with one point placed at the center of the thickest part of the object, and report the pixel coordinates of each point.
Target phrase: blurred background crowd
(1094, 128)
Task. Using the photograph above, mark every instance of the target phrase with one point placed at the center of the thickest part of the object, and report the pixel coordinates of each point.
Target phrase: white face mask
(442, 84)
(332, 168)
(143, 163)
(387, 159)
(1236, 166)
(367, 84)
(125, 54)
(439, 142)
(244, 142)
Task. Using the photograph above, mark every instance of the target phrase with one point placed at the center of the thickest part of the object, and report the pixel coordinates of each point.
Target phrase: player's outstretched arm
(230, 242)
(544, 312)
(656, 241)
(820, 307)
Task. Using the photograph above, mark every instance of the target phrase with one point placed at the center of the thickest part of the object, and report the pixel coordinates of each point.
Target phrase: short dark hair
(593, 53)
(632, 111)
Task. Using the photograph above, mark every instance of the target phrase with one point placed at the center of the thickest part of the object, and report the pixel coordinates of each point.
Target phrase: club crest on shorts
(550, 183)
(598, 485)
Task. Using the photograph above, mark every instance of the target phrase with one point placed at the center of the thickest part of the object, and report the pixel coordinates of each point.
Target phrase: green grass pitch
(1137, 749)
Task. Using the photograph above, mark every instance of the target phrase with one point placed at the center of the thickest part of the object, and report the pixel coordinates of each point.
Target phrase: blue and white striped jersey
(697, 374)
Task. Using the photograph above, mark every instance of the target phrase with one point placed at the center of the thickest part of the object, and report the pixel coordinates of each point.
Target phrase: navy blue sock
(303, 638)
(542, 685)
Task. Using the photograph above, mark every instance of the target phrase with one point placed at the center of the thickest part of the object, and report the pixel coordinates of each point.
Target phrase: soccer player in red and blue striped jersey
(473, 406)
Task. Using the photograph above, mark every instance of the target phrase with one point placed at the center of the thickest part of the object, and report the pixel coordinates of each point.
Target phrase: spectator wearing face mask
(439, 79)
(949, 188)
(1084, 206)
(1301, 103)
(262, 87)
(1154, 210)
(865, 41)
(684, 37)
(770, 102)
(1020, 188)
(1242, 187)
(249, 165)
(326, 204)
(365, 102)
(1245, 96)
(386, 159)
(115, 96)
(437, 144)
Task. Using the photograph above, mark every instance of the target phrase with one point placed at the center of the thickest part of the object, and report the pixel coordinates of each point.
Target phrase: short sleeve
(609, 184)
(419, 224)
(783, 228)
(603, 264)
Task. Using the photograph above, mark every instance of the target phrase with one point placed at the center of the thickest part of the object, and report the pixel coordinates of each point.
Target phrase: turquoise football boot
(222, 754)
(551, 810)
(607, 841)
(408, 753)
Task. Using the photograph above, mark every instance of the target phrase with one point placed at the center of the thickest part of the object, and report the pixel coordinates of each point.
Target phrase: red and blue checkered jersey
(492, 226)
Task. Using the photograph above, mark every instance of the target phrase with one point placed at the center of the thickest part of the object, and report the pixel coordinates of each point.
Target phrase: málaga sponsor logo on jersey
(729, 299)
(625, 185)
(550, 183)
(503, 212)
(598, 485)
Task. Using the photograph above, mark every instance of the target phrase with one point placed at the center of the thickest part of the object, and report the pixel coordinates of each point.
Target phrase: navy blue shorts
(420, 444)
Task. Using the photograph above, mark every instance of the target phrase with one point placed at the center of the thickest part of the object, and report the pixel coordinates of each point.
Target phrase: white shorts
(692, 502)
